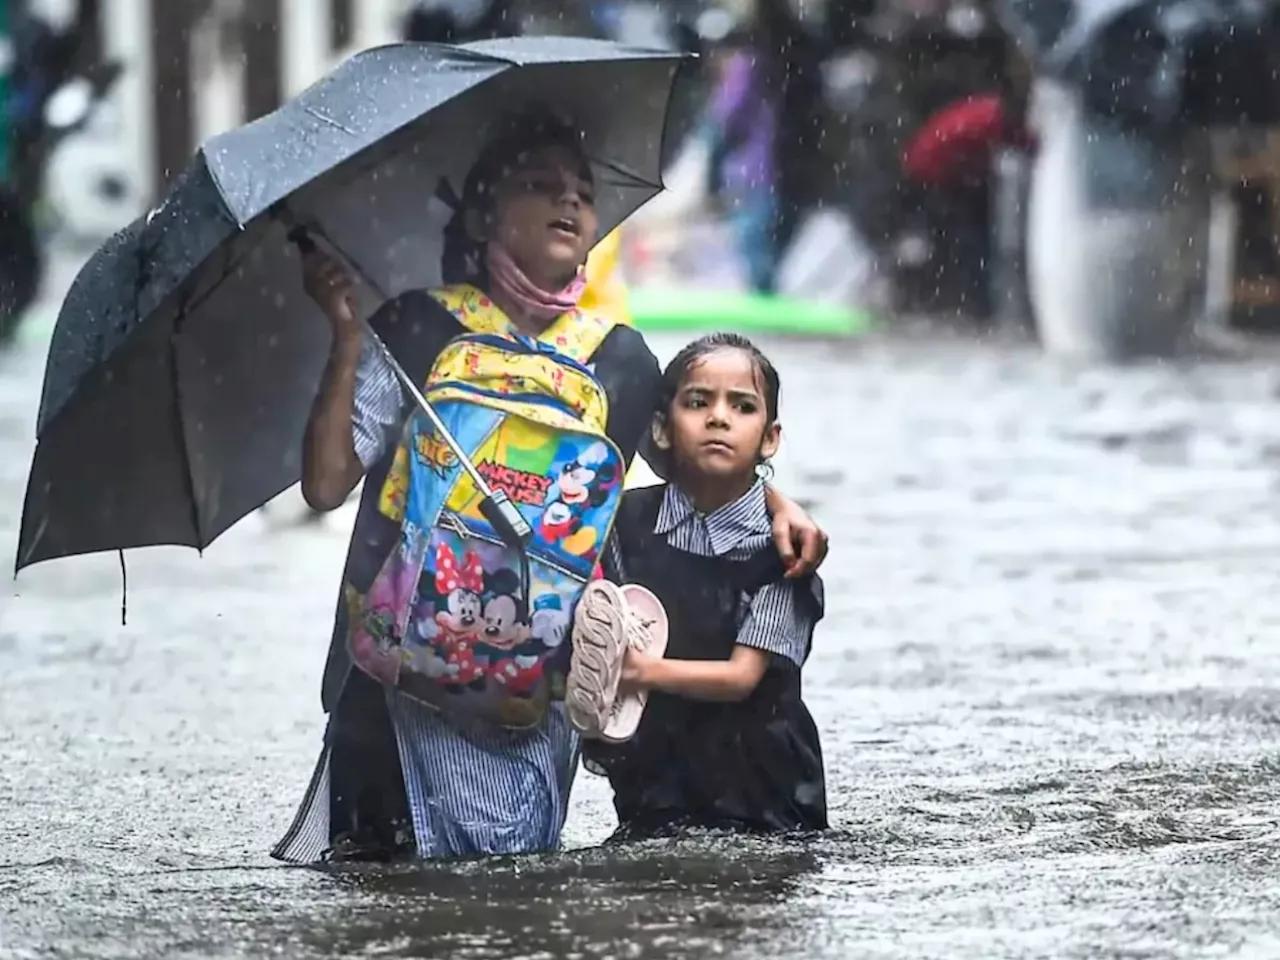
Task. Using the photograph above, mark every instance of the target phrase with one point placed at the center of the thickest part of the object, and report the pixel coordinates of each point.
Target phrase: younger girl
(725, 740)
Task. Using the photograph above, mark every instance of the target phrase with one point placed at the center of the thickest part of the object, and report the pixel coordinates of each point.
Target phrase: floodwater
(1047, 685)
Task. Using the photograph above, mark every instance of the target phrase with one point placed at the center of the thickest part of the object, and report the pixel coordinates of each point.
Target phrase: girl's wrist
(643, 671)
(347, 348)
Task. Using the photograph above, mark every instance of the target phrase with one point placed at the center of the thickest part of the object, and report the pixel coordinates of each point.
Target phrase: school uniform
(756, 764)
(394, 777)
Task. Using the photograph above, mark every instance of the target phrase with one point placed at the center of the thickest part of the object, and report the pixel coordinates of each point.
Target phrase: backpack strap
(638, 512)
(633, 526)
(583, 334)
(576, 333)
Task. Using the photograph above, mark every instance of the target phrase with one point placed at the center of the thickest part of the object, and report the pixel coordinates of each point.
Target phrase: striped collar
(728, 528)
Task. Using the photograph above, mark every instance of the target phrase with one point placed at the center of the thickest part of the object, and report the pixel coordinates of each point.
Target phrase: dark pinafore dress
(754, 765)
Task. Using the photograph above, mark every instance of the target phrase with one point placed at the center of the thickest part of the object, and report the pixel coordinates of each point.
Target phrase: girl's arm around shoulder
(801, 543)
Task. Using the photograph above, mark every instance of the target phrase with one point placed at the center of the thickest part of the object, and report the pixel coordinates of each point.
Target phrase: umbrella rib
(323, 118)
(627, 172)
(140, 281)
(191, 302)
(181, 421)
(185, 305)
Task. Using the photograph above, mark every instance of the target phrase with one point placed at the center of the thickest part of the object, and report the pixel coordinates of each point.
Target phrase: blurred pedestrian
(742, 127)
(769, 92)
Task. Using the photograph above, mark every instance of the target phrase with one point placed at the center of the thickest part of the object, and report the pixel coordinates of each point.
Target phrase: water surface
(1047, 687)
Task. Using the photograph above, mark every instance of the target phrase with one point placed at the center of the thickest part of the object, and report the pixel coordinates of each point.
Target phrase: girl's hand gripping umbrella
(496, 507)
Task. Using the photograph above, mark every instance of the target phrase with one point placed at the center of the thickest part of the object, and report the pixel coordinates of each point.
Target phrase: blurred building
(194, 68)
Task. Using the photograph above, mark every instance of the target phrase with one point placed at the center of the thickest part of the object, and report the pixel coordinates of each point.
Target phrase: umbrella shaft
(420, 401)
(495, 505)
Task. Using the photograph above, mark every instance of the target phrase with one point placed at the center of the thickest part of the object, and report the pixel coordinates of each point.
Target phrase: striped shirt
(472, 790)
(776, 622)
(380, 405)
(484, 790)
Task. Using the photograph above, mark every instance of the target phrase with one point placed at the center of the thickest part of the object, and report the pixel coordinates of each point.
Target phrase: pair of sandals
(610, 620)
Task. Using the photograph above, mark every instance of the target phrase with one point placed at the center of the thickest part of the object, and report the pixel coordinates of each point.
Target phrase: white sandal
(608, 621)
(599, 644)
(647, 632)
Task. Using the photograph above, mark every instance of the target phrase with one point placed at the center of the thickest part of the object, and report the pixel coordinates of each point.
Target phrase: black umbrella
(186, 354)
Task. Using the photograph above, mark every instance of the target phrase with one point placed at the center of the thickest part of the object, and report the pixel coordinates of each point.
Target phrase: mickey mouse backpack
(456, 618)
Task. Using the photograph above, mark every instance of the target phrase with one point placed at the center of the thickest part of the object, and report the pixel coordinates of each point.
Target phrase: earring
(764, 470)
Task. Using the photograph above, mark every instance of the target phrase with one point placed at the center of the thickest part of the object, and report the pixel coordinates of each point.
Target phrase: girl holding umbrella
(396, 778)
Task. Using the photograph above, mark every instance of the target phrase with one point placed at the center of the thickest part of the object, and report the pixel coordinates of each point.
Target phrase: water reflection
(658, 899)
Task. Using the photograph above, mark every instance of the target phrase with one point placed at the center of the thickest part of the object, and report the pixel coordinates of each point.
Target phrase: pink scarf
(509, 282)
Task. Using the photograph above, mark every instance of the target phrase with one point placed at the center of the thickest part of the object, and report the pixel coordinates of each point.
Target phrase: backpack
(455, 618)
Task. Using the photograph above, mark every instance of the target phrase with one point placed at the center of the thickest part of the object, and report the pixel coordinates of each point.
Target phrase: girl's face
(544, 214)
(718, 426)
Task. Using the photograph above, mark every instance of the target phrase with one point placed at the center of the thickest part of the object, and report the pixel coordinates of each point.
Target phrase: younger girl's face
(545, 216)
(718, 425)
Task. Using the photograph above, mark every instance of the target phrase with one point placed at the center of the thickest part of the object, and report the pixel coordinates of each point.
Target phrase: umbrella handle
(301, 239)
(495, 505)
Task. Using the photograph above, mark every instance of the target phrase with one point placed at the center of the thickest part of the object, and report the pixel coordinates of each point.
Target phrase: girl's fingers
(323, 268)
(333, 275)
(782, 541)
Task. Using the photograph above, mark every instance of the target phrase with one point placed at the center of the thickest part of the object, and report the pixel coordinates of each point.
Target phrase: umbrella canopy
(186, 355)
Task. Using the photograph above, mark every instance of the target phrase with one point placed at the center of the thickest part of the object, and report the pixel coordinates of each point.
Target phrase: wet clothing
(395, 777)
(754, 765)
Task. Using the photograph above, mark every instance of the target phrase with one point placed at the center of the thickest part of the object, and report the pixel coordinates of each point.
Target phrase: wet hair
(516, 137)
(677, 371)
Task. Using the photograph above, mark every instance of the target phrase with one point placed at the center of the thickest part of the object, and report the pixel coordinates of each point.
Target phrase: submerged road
(1047, 683)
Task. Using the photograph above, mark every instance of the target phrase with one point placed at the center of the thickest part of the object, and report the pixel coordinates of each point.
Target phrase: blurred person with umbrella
(187, 346)
(949, 191)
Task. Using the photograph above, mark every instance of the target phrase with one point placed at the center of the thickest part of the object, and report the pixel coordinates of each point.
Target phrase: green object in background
(705, 311)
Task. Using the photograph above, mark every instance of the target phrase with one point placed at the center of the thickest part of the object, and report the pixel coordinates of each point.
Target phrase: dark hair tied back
(513, 138)
(766, 374)
(676, 371)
